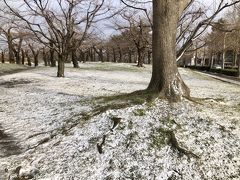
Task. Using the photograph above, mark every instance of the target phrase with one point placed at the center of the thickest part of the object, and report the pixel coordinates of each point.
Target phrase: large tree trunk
(166, 79)
(61, 65)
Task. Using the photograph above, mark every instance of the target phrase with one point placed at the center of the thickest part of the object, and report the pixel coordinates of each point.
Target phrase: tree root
(42, 141)
(174, 143)
(100, 145)
(116, 121)
(192, 99)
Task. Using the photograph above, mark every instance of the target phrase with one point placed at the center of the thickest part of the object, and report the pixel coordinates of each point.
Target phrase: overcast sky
(103, 29)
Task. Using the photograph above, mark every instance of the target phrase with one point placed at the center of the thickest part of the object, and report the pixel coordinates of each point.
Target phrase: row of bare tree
(63, 30)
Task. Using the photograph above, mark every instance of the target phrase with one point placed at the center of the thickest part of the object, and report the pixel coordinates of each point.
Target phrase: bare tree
(138, 33)
(58, 22)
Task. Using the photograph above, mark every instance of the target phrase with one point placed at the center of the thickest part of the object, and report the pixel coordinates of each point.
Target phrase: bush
(228, 72)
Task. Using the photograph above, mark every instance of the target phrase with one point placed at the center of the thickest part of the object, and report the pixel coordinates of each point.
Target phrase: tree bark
(99, 53)
(10, 47)
(87, 56)
(101, 58)
(45, 58)
(120, 54)
(235, 58)
(35, 55)
(94, 55)
(92, 58)
(3, 57)
(129, 56)
(23, 56)
(166, 80)
(107, 55)
(149, 56)
(238, 68)
(114, 55)
(61, 65)
(52, 59)
(17, 51)
(28, 58)
(140, 58)
(82, 56)
(224, 51)
(17, 56)
(74, 59)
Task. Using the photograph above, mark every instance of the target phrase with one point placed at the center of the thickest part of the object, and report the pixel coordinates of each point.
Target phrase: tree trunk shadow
(8, 144)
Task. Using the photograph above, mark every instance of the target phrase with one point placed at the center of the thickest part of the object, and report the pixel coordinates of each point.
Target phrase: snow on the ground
(36, 106)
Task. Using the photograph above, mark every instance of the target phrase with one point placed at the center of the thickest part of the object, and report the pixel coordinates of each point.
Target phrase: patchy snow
(44, 117)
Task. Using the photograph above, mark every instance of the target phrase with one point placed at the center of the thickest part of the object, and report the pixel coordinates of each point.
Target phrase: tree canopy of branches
(55, 24)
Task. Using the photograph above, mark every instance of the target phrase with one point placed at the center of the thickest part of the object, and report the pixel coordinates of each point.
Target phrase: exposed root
(174, 143)
(100, 145)
(116, 121)
(42, 141)
(40, 133)
(192, 99)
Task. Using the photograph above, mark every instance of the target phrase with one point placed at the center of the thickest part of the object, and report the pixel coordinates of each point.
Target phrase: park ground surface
(77, 128)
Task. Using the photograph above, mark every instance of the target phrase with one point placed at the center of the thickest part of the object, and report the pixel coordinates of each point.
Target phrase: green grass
(159, 137)
(114, 67)
(139, 112)
(8, 68)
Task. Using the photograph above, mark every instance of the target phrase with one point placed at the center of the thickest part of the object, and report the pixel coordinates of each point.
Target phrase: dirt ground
(77, 128)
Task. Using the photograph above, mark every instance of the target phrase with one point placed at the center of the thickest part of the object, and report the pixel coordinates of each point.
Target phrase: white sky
(116, 3)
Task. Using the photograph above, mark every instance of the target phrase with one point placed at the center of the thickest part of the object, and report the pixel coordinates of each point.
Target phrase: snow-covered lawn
(57, 127)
